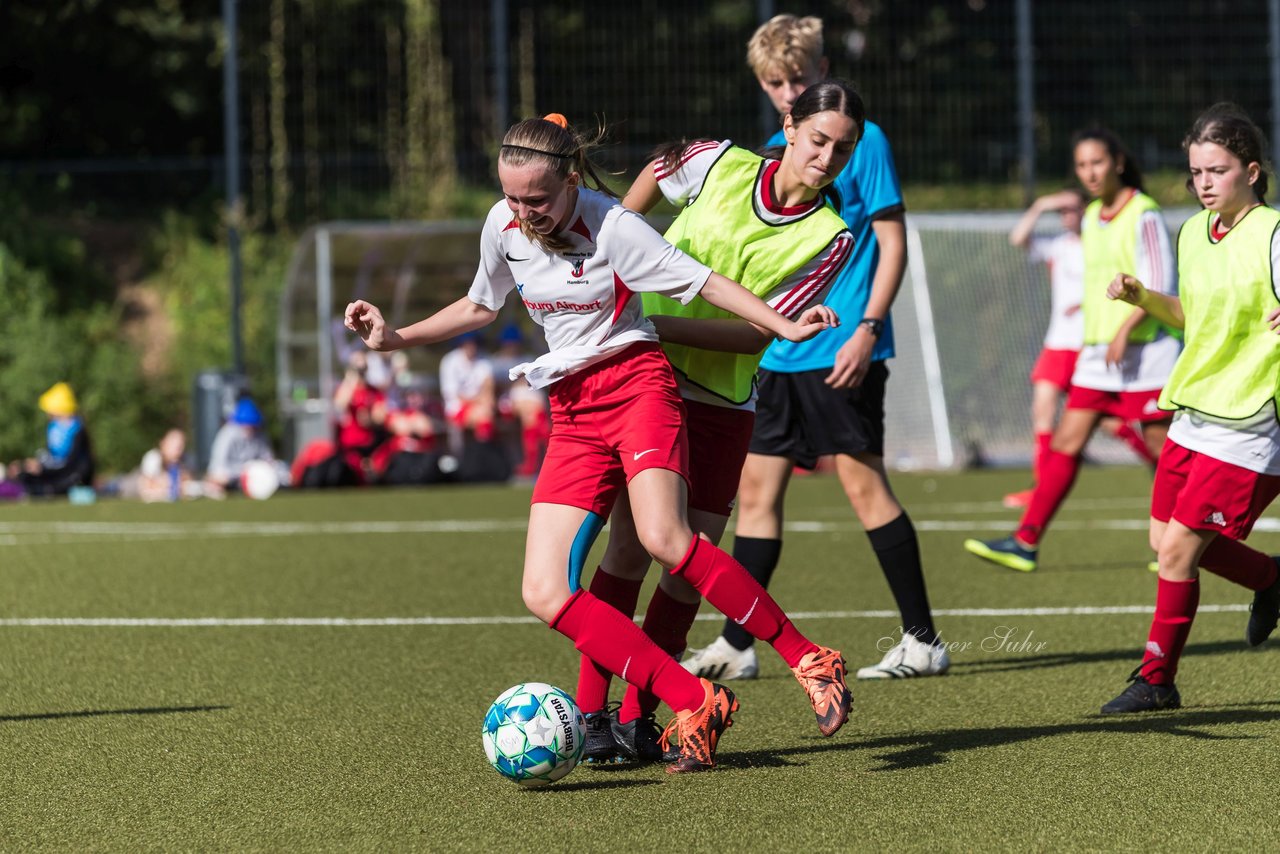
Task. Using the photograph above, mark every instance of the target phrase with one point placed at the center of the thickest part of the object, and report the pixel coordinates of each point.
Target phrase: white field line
(350, 622)
(49, 533)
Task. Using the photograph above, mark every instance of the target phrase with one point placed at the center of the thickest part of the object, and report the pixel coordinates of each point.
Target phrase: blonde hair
(785, 42)
(555, 146)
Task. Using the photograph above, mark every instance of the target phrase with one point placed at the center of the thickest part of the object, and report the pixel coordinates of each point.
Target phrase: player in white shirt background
(468, 389)
(577, 258)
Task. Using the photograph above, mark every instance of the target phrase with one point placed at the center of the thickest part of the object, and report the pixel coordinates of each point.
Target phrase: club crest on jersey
(579, 261)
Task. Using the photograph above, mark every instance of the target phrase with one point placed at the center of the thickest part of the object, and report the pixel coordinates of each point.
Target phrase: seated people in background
(361, 412)
(466, 383)
(164, 475)
(236, 443)
(413, 436)
(67, 458)
(517, 399)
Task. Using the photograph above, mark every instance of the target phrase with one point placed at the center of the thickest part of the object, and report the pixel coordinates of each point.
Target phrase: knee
(666, 544)
(543, 598)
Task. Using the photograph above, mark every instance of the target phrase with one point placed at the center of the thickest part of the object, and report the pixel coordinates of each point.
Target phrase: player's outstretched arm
(728, 335)
(365, 319)
(1164, 308)
(735, 299)
(1021, 234)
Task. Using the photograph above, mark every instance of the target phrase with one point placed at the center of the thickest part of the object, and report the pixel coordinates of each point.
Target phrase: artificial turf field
(310, 673)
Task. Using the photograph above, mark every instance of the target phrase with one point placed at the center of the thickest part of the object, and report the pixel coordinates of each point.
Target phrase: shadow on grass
(920, 750)
(580, 785)
(1132, 655)
(94, 713)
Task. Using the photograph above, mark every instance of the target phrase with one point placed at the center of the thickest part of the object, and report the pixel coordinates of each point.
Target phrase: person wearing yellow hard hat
(67, 458)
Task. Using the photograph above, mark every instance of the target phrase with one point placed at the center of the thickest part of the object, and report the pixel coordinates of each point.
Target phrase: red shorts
(1125, 405)
(609, 422)
(718, 442)
(1055, 367)
(1206, 494)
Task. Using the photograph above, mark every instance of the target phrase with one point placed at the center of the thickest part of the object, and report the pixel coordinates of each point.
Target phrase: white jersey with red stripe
(806, 287)
(1063, 255)
(582, 297)
(1144, 366)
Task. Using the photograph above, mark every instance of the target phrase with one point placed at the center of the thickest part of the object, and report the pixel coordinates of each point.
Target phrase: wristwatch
(875, 324)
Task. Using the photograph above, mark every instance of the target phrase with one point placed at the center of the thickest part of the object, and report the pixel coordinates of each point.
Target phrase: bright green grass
(367, 738)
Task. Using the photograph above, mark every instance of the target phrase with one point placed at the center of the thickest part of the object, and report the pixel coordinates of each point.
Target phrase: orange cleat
(822, 673)
(699, 732)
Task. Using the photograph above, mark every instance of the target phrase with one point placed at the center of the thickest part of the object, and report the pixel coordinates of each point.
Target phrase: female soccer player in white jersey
(577, 259)
(1221, 465)
(764, 222)
(1127, 354)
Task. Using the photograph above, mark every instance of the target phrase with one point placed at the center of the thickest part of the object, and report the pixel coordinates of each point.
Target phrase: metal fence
(348, 109)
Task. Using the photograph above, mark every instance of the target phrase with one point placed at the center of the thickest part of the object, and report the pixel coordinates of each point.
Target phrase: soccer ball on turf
(533, 734)
(259, 480)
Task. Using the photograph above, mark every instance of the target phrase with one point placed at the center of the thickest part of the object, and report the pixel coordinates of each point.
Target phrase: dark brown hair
(1131, 174)
(1229, 126)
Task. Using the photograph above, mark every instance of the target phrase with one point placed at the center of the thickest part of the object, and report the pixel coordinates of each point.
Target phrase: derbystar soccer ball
(534, 734)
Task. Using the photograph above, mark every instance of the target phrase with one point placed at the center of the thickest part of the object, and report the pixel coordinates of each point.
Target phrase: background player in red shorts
(1127, 355)
(1063, 255)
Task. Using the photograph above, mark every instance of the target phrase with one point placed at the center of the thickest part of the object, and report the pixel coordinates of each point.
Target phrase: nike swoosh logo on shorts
(750, 611)
(638, 454)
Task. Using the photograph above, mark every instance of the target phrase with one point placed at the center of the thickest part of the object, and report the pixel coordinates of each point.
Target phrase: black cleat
(601, 748)
(638, 739)
(1264, 612)
(1142, 696)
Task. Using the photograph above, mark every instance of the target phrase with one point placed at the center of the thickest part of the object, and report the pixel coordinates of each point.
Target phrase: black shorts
(800, 417)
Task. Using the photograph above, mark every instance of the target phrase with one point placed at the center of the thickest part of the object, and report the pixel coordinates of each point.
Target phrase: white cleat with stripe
(910, 658)
(720, 661)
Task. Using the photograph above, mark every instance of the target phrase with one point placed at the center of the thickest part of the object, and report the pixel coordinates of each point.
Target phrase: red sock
(1042, 448)
(733, 592)
(1057, 475)
(1237, 562)
(1133, 439)
(593, 680)
(1176, 603)
(531, 445)
(618, 645)
(667, 621)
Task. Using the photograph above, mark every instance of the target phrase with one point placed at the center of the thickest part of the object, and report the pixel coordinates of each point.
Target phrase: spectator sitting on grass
(67, 459)
(236, 443)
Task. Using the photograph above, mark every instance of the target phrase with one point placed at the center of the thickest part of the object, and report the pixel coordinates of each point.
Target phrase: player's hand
(1273, 320)
(1126, 288)
(811, 321)
(365, 320)
(1116, 350)
(853, 360)
(819, 314)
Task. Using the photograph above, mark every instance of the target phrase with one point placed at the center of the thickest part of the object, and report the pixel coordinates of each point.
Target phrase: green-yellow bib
(1230, 366)
(1111, 249)
(722, 230)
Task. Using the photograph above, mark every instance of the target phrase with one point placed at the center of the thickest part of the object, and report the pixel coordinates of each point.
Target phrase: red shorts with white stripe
(609, 422)
(1125, 405)
(1055, 367)
(1206, 494)
(718, 442)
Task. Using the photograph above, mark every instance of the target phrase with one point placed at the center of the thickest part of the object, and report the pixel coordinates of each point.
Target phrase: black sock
(898, 551)
(760, 557)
